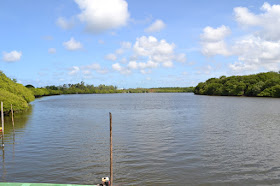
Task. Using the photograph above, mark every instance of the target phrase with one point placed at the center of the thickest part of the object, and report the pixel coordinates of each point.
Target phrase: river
(158, 139)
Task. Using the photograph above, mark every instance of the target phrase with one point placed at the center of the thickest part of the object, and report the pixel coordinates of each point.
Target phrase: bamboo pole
(12, 111)
(2, 119)
(111, 152)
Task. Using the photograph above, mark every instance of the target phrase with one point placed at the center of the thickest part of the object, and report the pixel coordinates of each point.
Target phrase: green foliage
(171, 89)
(262, 84)
(14, 93)
(19, 95)
(9, 98)
(15, 88)
(29, 86)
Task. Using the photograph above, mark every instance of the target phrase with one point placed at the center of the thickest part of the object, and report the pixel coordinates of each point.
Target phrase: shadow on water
(20, 121)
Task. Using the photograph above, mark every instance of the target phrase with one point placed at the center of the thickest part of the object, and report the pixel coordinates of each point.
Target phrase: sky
(130, 44)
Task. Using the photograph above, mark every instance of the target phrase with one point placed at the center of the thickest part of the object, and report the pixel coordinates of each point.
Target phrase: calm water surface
(158, 139)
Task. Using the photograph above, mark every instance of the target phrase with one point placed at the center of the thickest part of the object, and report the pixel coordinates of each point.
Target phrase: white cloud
(119, 68)
(52, 50)
(245, 17)
(258, 50)
(64, 23)
(149, 64)
(94, 67)
(132, 65)
(214, 35)
(111, 57)
(12, 56)
(74, 70)
(255, 53)
(157, 26)
(157, 51)
(212, 41)
(141, 65)
(87, 70)
(124, 46)
(215, 48)
(268, 20)
(72, 44)
(102, 15)
(150, 46)
(148, 53)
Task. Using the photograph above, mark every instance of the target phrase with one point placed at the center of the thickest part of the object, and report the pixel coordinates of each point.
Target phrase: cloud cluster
(212, 41)
(150, 53)
(87, 70)
(12, 56)
(102, 15)
(260, 49)
(72, 44)
(125, 45)
(255, 53)
(157, 26)
(257, 50)
(268, 20)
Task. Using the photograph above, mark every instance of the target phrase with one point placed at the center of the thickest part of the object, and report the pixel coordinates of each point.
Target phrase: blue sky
(132, 44)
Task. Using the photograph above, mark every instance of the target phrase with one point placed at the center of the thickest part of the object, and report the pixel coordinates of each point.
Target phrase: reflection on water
(11, 132)
(20, 120)
(158, 139)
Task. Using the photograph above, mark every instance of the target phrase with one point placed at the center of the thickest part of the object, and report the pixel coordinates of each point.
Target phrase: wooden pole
(2, 119)
(111, 151)
(13, 117)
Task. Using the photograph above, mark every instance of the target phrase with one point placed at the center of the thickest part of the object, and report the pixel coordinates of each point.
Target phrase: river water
(158, 139)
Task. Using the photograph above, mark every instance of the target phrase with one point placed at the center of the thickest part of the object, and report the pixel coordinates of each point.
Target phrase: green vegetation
(14, 93)
(262, 84)
(78, 88)
(159, 90)
(81, 88)
(171, 89)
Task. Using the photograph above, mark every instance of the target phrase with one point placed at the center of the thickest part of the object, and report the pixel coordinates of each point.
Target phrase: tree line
(82, 88)
(261, 85)
(20, 96)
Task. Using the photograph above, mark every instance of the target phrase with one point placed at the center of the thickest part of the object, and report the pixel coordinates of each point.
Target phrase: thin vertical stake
(2, 119)
(111, 151)
(13, 117)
